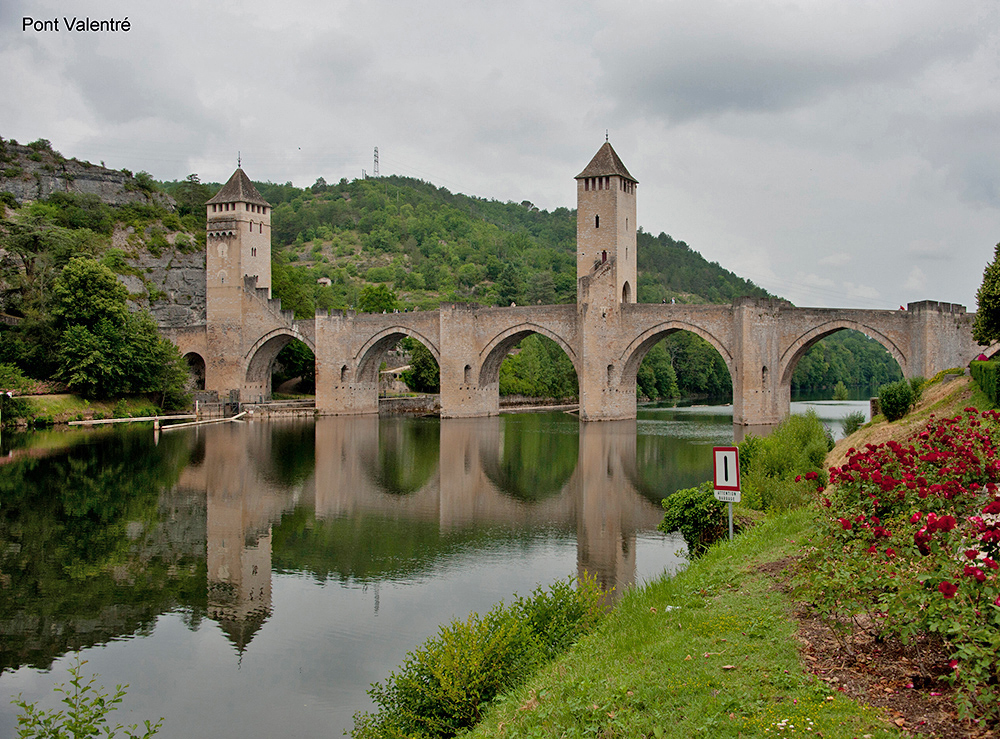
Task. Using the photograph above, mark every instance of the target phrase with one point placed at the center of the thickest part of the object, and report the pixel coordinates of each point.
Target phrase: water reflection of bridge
(456, 474)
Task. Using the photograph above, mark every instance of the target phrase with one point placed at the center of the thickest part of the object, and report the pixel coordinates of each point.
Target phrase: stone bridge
(605, 334)
(760, 341)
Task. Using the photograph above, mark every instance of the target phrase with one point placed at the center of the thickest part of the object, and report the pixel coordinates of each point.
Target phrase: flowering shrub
(913, 548)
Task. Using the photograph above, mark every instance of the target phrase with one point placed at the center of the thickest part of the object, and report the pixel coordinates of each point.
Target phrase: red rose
(948, 589)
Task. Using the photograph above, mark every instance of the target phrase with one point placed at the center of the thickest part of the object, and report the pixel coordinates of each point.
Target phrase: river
(252, 579)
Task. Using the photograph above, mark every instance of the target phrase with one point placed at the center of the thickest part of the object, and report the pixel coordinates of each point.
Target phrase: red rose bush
(912, 550)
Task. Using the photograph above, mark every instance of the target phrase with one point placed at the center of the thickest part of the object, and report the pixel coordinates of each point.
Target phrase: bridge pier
(341, 390)
(606, 392)
(467, 391)
(760, 398)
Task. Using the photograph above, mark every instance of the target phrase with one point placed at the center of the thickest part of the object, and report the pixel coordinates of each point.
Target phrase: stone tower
(239, 235)
(238, 246)
(605, 231)
(606, 281)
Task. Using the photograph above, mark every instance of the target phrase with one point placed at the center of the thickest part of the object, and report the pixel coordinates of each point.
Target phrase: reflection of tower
(241, 507)
(239, 572)
(605, 531)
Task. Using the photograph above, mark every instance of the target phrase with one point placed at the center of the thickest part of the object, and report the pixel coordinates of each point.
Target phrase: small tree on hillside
(376, 299)
(986, 328)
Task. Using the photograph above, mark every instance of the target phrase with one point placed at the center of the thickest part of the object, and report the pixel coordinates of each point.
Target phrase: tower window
(597, 221)
(604, 257)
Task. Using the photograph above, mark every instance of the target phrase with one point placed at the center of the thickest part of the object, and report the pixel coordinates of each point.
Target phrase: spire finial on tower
(605, 134)
(239, 160)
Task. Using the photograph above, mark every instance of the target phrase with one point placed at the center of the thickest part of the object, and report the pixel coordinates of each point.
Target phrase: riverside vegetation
(85, 716)
(894, 550)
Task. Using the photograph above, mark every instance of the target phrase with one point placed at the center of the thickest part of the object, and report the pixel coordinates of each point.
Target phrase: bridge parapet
(771, 304)
(933, 305)
(262, 294)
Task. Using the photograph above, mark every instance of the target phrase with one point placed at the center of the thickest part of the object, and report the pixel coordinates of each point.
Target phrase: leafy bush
(444, 686)
(987, 376)
(840, 391)
(853, 421)
(40, 145)
(12, 379)
(700, 518)
(895, 399)
(86, 714)
(563, 613)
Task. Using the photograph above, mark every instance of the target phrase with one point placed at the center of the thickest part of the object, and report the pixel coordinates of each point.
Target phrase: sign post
(727, 478)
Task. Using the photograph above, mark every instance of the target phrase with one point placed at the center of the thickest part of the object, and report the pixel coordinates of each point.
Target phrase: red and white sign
(727, 473)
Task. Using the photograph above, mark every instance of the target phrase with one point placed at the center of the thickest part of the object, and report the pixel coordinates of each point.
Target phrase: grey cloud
(759, 57)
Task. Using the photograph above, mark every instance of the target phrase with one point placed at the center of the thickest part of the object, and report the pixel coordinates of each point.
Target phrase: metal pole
(730, 521)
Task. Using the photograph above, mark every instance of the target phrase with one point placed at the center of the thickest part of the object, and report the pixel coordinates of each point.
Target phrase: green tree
(541, 290)
(377, 299)
(296, 360)
(656, 377)
(508, 286)
(103, 349)
(986, 327)
(191, 196)
(424, 375)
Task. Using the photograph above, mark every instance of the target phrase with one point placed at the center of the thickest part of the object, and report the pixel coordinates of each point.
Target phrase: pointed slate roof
(606, 162)
(239, 189)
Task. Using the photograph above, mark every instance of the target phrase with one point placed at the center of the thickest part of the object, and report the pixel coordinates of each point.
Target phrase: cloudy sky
(836, 152)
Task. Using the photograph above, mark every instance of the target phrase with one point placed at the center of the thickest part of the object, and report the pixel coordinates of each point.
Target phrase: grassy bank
(45, 410)
(708, 652)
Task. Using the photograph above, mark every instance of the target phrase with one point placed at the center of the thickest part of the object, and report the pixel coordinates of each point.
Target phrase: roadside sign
(727, 478)
(727, 473)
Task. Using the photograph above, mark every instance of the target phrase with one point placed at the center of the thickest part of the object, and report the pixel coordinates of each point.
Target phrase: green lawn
(708, 652)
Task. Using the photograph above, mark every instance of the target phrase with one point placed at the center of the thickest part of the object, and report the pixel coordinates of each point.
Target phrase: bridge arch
(636, 351)
(370, 354)
(497, 349)
(196, 366)
(798, 348)
(260, 358)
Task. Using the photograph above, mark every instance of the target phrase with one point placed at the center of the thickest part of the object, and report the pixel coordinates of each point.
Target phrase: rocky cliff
(35, 172)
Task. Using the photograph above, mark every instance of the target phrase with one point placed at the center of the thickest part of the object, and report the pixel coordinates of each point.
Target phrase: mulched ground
(884, 675)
